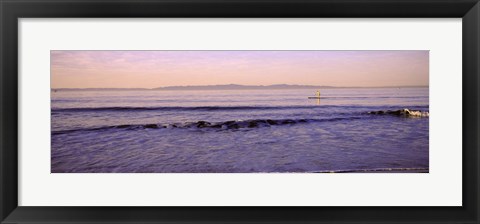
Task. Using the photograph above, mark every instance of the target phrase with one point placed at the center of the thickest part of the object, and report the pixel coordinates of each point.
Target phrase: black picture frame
(12, 10)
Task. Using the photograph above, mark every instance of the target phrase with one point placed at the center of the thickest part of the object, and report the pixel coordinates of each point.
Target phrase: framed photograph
(247, 112)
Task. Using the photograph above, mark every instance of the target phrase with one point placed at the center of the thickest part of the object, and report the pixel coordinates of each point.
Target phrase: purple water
(238, 131)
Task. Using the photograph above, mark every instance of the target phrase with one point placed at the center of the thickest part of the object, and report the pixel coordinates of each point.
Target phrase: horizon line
(240, 85)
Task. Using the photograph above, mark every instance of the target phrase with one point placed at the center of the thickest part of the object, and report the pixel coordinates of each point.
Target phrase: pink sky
(150, 69)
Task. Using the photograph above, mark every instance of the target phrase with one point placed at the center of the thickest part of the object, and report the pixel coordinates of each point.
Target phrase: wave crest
(403, 112)
(225, 125)
(176, 108)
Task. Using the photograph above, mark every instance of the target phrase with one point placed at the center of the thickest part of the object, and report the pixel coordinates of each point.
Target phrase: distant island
(224, 87)
(240, 87)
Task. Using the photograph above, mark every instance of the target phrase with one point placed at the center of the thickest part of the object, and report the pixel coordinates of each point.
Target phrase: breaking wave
(225, 125)
(200, 108)
(403, 112)
(241, 124)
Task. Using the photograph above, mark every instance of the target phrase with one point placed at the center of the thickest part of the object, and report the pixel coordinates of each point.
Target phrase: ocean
(239, 131)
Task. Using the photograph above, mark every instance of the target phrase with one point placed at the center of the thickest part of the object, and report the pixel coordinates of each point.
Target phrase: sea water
(238, 131)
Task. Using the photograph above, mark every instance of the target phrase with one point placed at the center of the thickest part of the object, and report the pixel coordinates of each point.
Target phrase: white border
(442, 186)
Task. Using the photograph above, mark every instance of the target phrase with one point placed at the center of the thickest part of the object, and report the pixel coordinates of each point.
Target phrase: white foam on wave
(403, 112)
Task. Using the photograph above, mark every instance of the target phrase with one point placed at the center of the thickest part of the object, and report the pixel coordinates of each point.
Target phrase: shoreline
(380, 170)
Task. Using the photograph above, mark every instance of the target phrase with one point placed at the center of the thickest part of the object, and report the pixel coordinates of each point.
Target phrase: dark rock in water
(271, 122)
(203, 124)
(150, 126)
(302, 120)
